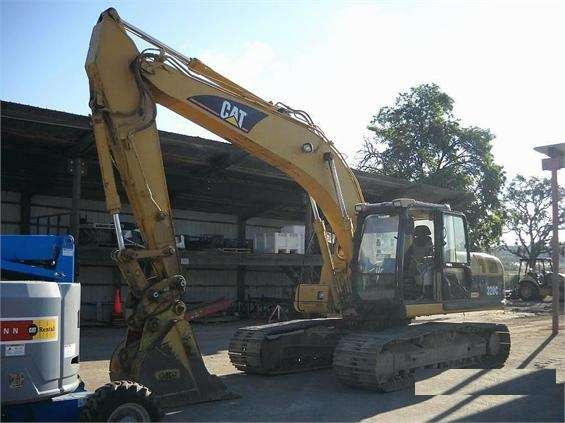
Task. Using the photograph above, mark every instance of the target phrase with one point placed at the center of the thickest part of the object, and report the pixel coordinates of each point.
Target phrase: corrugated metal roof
(202, 175)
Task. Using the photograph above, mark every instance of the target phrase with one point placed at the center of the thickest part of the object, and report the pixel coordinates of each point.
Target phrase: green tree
(528, 216)
(420, 139)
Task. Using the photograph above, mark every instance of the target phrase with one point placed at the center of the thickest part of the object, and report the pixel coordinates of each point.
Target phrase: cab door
(456, 277)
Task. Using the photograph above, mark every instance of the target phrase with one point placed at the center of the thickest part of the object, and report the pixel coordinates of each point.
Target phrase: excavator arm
(125, 85)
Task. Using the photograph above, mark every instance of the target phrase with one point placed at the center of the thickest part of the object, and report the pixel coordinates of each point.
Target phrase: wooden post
(25, 212)
(555, 250)
(76, 170)
(241, 231)
(241, 270)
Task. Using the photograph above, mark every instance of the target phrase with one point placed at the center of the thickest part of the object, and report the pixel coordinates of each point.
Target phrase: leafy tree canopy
(420, 139)
(528, 215)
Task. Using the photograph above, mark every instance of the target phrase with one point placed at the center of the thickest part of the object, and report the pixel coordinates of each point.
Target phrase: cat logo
(236, 114)
(232, 114)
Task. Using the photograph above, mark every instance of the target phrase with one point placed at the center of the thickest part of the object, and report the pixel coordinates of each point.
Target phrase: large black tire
(121, 400)
(528, 291)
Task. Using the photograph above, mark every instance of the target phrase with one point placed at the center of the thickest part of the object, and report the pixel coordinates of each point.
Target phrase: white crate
(293, 229)
(279, 243)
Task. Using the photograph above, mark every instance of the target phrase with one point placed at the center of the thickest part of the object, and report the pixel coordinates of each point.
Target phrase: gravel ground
(529, 388)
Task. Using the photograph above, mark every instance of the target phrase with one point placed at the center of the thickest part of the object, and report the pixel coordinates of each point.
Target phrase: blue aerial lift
(39, 257)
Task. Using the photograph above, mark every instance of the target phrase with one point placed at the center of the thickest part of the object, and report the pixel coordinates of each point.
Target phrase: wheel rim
(130, 412)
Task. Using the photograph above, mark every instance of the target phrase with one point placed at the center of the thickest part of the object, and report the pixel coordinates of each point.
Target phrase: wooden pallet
(286, 251)
(236, 250)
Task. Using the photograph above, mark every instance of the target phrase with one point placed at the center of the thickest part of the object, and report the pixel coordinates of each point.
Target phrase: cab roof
(400, 203)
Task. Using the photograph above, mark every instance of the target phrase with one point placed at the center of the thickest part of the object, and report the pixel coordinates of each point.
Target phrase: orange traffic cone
(117, 312)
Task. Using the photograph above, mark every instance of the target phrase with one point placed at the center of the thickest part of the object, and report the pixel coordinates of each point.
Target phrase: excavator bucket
(171, 365)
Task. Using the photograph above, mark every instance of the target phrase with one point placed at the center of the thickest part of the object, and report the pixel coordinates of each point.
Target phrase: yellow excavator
(384, 264)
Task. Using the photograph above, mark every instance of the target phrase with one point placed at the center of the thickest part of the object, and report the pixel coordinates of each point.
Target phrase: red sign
(17, 330)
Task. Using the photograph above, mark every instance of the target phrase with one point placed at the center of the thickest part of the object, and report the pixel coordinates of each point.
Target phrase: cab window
(377, 252)
(375, 277)
(455, 241)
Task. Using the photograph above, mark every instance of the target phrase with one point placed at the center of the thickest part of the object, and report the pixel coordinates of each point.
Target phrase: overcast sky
(502, 62)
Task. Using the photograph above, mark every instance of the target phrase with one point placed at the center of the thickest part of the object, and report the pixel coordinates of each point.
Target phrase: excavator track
(286, 347)
(387, 360)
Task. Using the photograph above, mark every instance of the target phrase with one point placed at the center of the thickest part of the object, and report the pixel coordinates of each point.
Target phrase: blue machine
(39, 257)
(40, 336)
(31, 265)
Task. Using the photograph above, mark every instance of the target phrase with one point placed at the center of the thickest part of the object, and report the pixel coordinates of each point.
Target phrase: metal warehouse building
(51, 185)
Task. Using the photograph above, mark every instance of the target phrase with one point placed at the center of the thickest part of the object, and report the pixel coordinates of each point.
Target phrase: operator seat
(423, 245)
(420, 262)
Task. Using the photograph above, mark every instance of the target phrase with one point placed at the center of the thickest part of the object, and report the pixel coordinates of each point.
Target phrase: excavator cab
(409, 252)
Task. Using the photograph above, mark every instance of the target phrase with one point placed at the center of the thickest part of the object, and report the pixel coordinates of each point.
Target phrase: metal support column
(555, 250)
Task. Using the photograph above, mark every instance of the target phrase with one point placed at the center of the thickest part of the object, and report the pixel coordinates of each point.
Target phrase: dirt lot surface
(529, 388)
